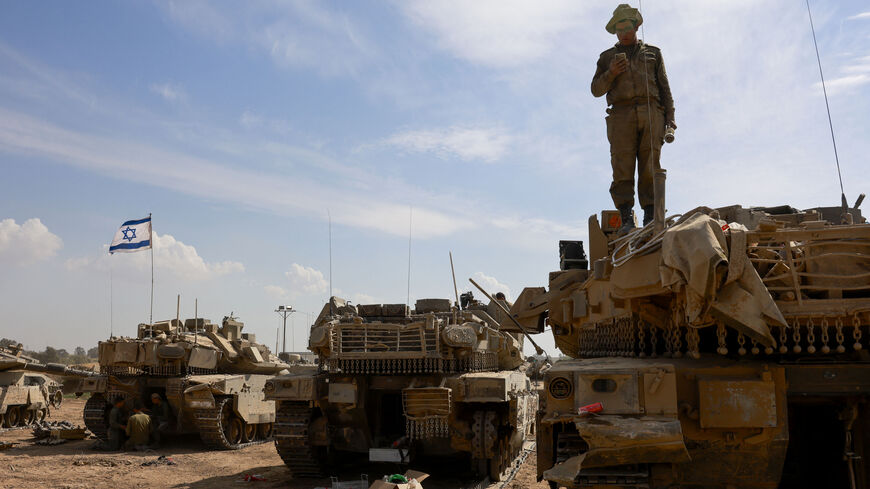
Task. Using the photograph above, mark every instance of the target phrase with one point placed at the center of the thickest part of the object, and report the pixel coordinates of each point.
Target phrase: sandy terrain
(75, 465)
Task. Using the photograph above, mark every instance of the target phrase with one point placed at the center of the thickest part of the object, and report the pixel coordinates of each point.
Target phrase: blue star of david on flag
(132, 236)
(129, 233)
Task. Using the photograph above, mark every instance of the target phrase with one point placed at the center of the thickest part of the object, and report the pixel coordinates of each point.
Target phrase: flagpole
(151, 239)
(111, 300)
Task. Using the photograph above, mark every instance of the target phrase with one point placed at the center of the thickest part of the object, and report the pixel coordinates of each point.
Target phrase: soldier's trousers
(116, 439)
(630, 130)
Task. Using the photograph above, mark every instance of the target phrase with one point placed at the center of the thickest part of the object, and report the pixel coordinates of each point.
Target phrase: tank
(725, 349)
(393, 384)
(26, 392)
(212, 377)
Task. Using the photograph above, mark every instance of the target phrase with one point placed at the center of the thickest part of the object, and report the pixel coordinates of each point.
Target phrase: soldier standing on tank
(632, 74)
(117, 427)
(161, 415)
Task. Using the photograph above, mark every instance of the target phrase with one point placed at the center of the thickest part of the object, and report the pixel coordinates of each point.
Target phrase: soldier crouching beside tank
(138, 429)
(632, 74)
(117, 425)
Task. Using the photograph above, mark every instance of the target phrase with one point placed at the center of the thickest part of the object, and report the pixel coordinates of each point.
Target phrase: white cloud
(296, 34)
(498, 33)
(364, 299)
(467, 143)
(27, 243)
(250, 120)
(169, 92)
(277, 292)
(491, 285)
(21, 133)
(306, 279)
(845, 83)
(171, 256)
(862, 15)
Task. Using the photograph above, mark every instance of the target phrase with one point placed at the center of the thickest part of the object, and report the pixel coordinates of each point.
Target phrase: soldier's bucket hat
(622, 12)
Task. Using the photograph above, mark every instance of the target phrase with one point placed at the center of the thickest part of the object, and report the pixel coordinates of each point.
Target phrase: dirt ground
(75, 465)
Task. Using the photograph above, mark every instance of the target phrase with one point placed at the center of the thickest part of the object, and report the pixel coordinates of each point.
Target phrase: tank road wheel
(293, 441)
(13, 417)
(249, 432)
(96, 416)
(28, 416)
(264, 431)
(220, 428)
(234, 431)
(57, 398)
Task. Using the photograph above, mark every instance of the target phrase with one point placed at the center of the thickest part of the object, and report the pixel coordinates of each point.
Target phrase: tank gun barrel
(59, 370)
(538, 349)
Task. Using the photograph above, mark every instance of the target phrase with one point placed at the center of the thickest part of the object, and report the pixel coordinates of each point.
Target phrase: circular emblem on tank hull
(560, 388)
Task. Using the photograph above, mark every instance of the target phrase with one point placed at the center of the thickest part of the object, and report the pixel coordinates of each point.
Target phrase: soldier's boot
(648, 214)
(627, 220)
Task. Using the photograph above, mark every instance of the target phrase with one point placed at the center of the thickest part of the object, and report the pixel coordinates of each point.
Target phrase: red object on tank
(591, 408)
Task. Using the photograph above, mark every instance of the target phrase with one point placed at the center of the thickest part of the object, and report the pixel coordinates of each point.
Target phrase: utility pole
(284, 312)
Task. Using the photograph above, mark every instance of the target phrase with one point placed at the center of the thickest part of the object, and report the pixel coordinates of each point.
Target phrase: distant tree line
(58, 355)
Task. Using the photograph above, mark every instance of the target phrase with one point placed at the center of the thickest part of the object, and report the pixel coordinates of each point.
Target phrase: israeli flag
(132, 236)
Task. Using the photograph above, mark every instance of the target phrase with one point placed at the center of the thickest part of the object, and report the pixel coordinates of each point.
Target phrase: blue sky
(242, 126)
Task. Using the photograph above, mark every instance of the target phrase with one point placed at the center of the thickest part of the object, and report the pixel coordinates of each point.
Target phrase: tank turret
(389, 339)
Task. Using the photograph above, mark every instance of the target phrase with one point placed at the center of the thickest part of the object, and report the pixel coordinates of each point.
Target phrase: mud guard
(617, 440)
(199, 397)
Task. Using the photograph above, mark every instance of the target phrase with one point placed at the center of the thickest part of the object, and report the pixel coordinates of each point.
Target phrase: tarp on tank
(718, 279)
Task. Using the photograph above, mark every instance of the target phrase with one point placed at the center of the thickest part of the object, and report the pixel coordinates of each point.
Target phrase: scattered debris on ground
(253, 478)
(161, 460)
(6, 445)
(101, 462)
(58, 430)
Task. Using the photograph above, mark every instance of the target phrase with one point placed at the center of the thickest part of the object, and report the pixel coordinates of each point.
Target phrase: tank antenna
(329, 217)
(195, 320)
(828, 108)
(410, 222)
(455, 290)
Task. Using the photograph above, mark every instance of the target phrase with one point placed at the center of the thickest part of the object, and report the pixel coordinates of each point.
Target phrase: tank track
(95, 416)
(292, 441)
(208, 423)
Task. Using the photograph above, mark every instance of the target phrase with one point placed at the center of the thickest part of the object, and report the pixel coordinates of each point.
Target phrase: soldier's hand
(672, 124)
(618, 66)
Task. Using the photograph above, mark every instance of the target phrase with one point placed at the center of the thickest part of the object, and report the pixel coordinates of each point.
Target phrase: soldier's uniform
(138, 429)
(640, 104)
(160, 425)
(116, 428)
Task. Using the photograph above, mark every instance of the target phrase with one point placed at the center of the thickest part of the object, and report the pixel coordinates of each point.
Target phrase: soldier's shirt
(139, 429)
(645, 75)
(116, 418)
(162, 413)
